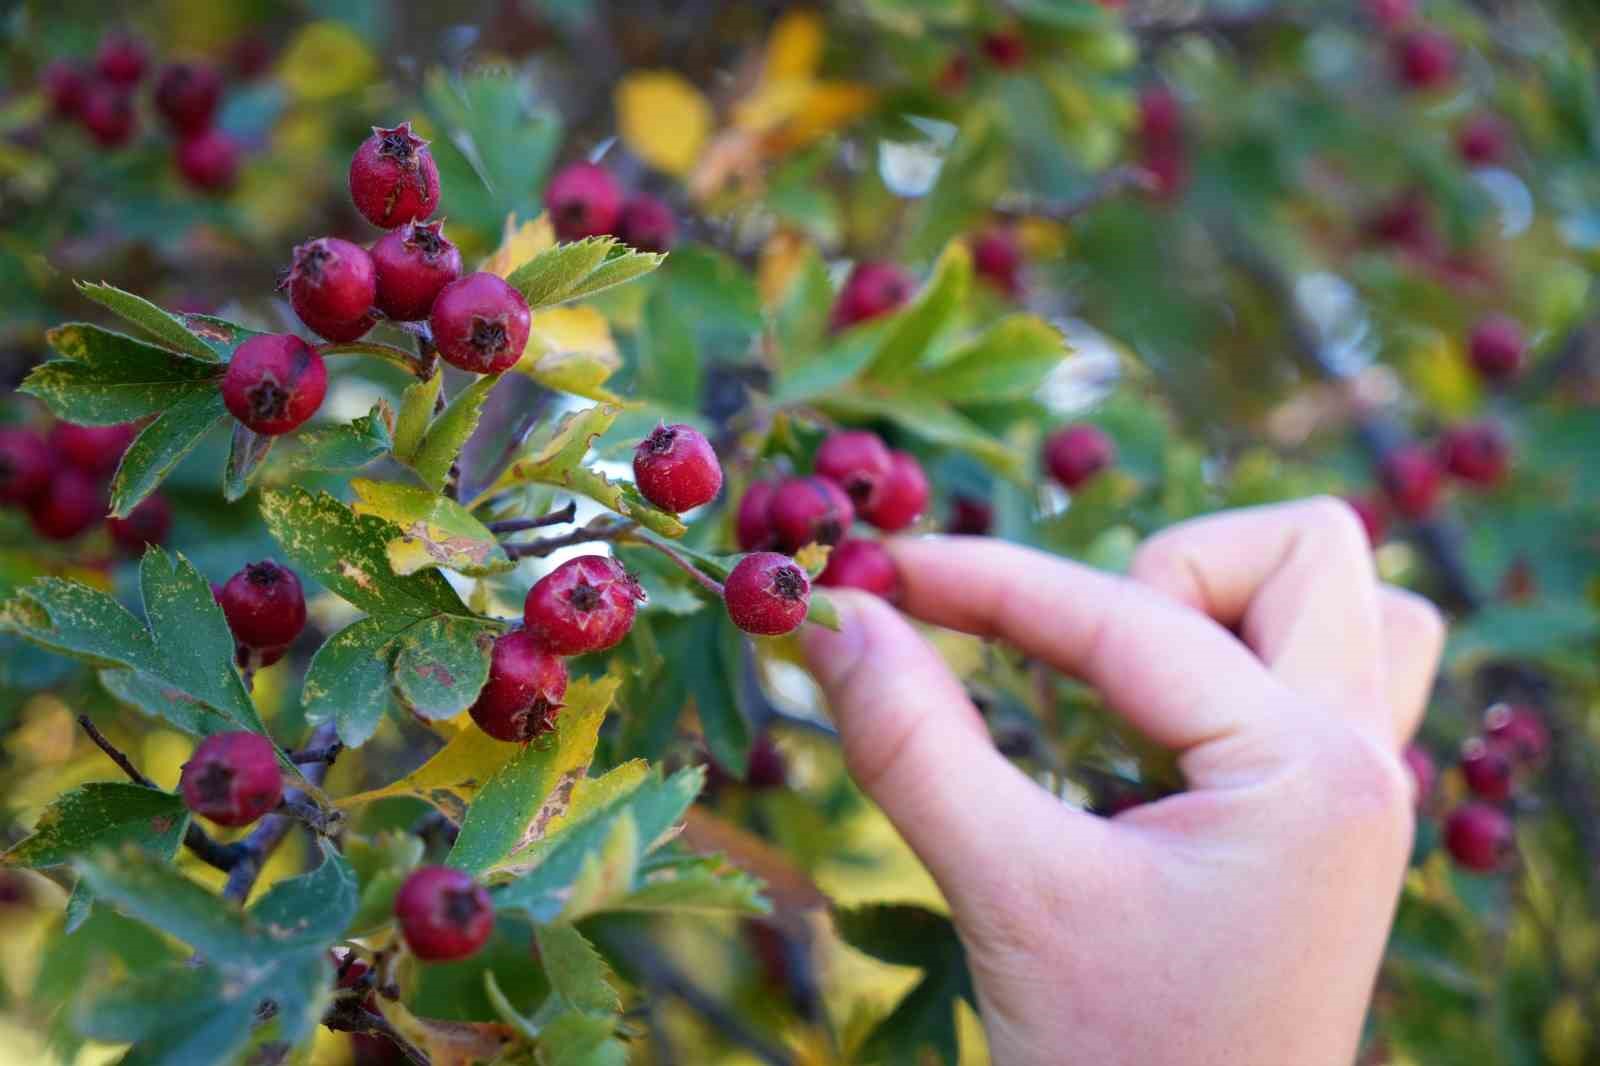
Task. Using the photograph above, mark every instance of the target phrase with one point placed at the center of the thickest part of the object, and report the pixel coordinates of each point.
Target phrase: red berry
(1406, 222)
(585, 604)
(807, 510)
(1487, 769)
(413, 264)
(122, 59)
(583, 201)
(1497, 347)
(970, 517)
(1424, 774)
(1167, 170)
(25, 465)
(444, 914)
(1518, 729)
(1412, 477)
(767, 594)
(264, 606)
(1424, 59)
(332, 284)
(1478, 453)
(954, 75)
(647, 224)
(1374, 515)
(1076, 454)
(1479, 837)
(232, 778)
(209, 161)
(766, 768)
(1483, 141)
(1160, 116)
(1004, 49)
(107, 114)
(997, 259)
(187, 95)
(69, 505)
(902, 496)
(861, 564)
(393, 178)
(350, 969)
(249, 57)
(857, 461)
(480, 324)
(523, 694)
(65, 85)
(753, 524)
(147, 523)
(92, 449)
(872, 289)
(274, 383)
(1391, 14)
(676, 468)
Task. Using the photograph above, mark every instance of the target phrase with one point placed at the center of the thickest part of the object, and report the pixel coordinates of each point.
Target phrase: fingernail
(832, 655)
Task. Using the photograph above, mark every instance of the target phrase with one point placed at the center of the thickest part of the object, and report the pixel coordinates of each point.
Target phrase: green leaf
(924, 1020)
(444, 439)
(1008, 361)
(74, 619)
(218, 334)
(582, 268)
(108, 378)
(346, 447)
(842, 360)
(162, 326)
(440, 663)
(821, 610)
(800, 319)
(161, 700)
(578, 1039)
(933, 421)
(695, 884)
(103, 814)
(933, 311)
(712, 653)
(579, 977)
(348, 680)
(669, 363)
(436, 530)
(416, 411)
(717, 298)
(306, 913)
(382, 865)
(159, 447)
(142, 886)
(247, 450)
(1065, 14)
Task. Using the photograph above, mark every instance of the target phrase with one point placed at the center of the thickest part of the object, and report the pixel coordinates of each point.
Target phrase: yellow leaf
(520, 243)
(781, 259)
(452, 777)
(663, 119)
(326, 59)
(571, 349)
(795, 47)
(827, 107)
(1440, 374)
(450, 1043)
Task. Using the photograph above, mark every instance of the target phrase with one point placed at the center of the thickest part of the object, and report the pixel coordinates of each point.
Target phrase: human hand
(1239, 922)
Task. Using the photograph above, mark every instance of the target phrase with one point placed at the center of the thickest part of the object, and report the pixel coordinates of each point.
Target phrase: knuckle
(1366, 786)
(1335, 525)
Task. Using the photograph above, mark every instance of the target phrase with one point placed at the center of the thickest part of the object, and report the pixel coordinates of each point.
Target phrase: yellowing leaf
(450, 1043)
(324, 60)
(828, 106)
(781, 258)
(519, 243)
(663, 119)
(795, 47)
(1437, 370)
(438, 530)
(451, 779)
(591, 793)
(571, 349)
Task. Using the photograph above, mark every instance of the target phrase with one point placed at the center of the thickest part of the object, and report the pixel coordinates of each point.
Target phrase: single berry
(1004, 48)
(1160, 116)
(857, 461)
(585, 604)
(1406, 222)
(1487, 770)
(413, 263)
(676, 468)
(1484, 141)
(583, 201)
(861, 564)
(274, 383)
(1497, 347)
(1478, 454)
(349, 969)
(1424, 774)
(954, 76)
(393, 178)
(523, 695)
(1076, 454)
(332, 284)
(25, 465)
(809, 510)
(1480, 837)
(444, 914)
(92, 449)
(753, 523)
(997, 259)
(147, 523)
(65, 86)
(1412, 477)
(232, 778)
(1519, 729)
(766, 768)
(480, 324)
(647, 224)
(767, 594)
(1424, 59)
(970, 516)
(1166, 170)
(872, 289)
(1373, 511)
(1391, 15)
(250, 56)
(68, 506)
(902, 497)
(107, 114)
(121, 59)
(264, 606)
(209, 161)
(187, 95)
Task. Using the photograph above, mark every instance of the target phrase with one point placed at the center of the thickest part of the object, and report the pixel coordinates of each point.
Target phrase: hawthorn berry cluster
(101, 97)
(585, 200)
(60, 478)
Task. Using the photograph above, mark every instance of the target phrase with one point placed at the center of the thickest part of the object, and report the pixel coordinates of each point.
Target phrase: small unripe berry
(1518, 729)
(970, 517)
(767, 594)
(232, 778)
(413, 264)
(65, 86)
(676, 468)
(523, 695)
(997, 259)
(264, 606)
(332, 285)
(1478, 454)
(1374, 515)
(584, 201)
(71, 503)
(1487, 770)
(107, 114)
(148, 523)
(480, 324)
(1412, 477)
(443, 913)
(902, 497)
(25, 465)
(753, 523)
(1424, 59)
(1004, 49)
(393, 178)
(585, 604)
(274, 383)
(209, 161)
(121, 59)
(92, 449)
(187, 95)
(857, 461)
(647, 224)
(861, 564)
(1075, 454)
(872, 289)
(1483, 141)
(809, 510)
(1497, 347)
(1424, 774)
(1479, 837)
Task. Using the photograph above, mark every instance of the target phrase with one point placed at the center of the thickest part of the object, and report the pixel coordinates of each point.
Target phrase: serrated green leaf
(695, 884)
(620, 267)
(712, 648)
(108, 378)
(163, 701)
(144, 887)
(218, 334)
(307, 913)
(416, 412)
(436, 530)
(1008, 361)
(348, 680)
(247, 450)
(440, 663)
(442, 443)
(934, 310)
(103, 814)
(579, 269)
(160, 446)
(549, 458)
(161, 325)
(85, 623)
(347, 447)
(579, 976)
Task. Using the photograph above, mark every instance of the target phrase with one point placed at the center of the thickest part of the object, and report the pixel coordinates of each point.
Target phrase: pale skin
(1240, 922)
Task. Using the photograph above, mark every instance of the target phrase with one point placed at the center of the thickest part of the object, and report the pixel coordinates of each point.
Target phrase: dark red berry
(902, 497)
(1391, 14)
(332, 284)
(1167, 171)
(970, 517)
(1424, 774)
(585, 604)
(997, 259)
(187, 95)
(1497, 347)
(107, 114)
(25, 465)
(523, 695)
(65, 86)
(443, 913)
(1487, 769)
(209, 161)
(413, 263)
(1160, 116)
(264, 605)
(1480, 837)
(250, 56)
(121, 59)
(1373, 511)
(1406, 222)
(954, 75)
(1483, 141)
(232, 778)
(584, 201)
(1478, 454)
(753, 524)
(274, 383)
(767, 594)
(393, 178)
(647, 224)
(872, 289)
(480, 324)
(1424, 59)
(766, 768)
(809, 510)
(92, 449)
(147, 523)
(68, 506)
(1518, 729)
(676, 468)
(861, 564)
(1005, 49)
(349, 969)
(1076, 454)
(857, 461)
(1412, 477)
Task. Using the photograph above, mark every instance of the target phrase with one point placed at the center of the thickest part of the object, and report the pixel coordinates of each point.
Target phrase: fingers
(1413, 639)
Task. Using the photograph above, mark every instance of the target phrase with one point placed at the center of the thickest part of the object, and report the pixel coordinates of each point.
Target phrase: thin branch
(114, 753)
(706, 581)
(270, 831)
(1112, 183)
(598, 529)
(559, 517)
(307, 756)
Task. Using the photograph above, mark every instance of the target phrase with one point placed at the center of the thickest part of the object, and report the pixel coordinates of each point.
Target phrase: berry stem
(559, 517)
(706, 581)
(417, 365)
